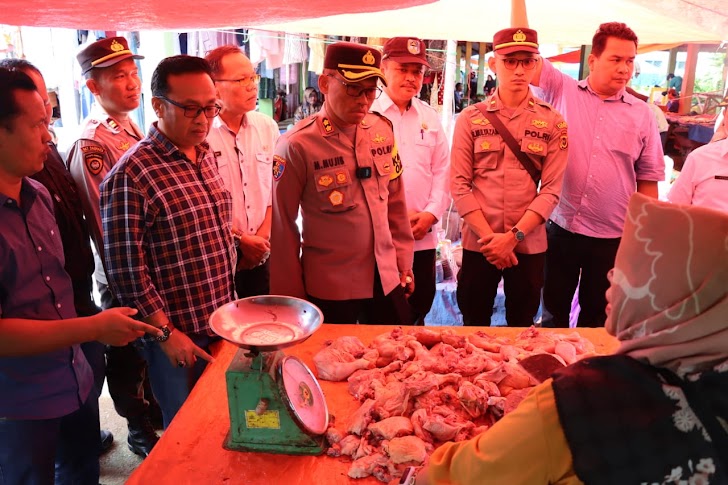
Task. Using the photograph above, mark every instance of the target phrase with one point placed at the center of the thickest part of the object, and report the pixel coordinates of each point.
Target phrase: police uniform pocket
(334, 195)
(485, 152)
(531, 147)
(385, 170)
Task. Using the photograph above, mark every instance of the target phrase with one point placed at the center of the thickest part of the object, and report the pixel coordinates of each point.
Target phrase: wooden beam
(481, 67)
(468, 58)
(686, 94)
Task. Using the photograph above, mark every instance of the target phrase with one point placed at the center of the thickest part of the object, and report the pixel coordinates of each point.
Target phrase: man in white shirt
(425, 156)
(243, 141)
(703, 179)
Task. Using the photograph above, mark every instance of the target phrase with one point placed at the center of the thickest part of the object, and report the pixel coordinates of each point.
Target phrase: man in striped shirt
(167, 226)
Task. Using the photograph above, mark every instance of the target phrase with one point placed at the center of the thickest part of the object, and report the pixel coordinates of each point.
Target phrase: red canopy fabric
(179, 14)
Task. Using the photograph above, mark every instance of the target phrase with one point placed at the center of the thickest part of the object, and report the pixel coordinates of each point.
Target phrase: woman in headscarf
(657, 410)
(311, 105)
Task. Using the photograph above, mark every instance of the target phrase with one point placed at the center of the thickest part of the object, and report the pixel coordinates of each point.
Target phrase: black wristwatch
(520, 236)
(166, 332)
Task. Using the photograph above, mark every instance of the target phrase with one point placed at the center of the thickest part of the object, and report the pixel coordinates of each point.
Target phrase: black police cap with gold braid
(355, 62)
(105, 53)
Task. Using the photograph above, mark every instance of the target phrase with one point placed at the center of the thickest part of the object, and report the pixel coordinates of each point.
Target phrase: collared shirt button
(48, 278)
(58, 305)
(40, 249)
(53, 233)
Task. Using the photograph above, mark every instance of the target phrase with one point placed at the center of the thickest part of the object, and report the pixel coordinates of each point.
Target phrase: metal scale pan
(266, 323)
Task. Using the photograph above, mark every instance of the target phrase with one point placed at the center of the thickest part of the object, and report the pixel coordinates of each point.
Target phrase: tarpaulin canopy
(565, 22)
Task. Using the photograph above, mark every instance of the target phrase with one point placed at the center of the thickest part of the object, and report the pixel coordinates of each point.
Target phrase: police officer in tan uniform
(108, 132)
(342, 169)
(503, 207)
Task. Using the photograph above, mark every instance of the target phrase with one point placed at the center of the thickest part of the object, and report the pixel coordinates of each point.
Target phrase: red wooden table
(191, 449)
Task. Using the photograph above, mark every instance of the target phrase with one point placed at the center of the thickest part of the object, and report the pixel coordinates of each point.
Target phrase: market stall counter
(191, 449)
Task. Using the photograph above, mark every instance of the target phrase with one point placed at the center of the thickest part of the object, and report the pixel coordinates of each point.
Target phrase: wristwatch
(166, 332)
(520, 236)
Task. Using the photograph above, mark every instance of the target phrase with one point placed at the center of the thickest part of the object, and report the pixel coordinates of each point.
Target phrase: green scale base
(260, 420)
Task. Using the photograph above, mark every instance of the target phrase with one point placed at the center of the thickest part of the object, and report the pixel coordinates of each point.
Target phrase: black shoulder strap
(511, 142)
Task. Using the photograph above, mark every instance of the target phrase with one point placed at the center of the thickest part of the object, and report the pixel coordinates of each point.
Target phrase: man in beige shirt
(504, 207)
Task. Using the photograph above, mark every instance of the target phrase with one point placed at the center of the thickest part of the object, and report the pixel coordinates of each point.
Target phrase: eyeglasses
(244, 81)
(355, 91)
(511, 63)
(194, 111)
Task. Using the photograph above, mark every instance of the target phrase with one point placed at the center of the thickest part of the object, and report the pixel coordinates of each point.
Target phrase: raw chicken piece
(485, 342)
(391, 400)
(361, 382)
(426, 336)
(584, 347)
(419, 417)
(365, 449)
(443, 429)
(516, 378)
(566, 351)
(364, 467)
(392, 427)
(456, 341)
(361, 418)
(487, 385)
(350, 345)
(333, 364)
(349, 444)
(421, 382)
(406, 449)
(333, 435)
(473, 399)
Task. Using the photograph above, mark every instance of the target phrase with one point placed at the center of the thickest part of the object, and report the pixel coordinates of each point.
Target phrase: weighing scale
(276, 404)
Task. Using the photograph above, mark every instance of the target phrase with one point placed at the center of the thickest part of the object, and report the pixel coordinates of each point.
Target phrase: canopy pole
(448, 78)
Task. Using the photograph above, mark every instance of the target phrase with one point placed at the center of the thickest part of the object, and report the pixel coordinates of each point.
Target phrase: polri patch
(564, 142)
(93, 158)
(279, 166)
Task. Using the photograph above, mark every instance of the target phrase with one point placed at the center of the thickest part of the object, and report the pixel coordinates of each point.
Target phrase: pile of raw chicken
(422, 388)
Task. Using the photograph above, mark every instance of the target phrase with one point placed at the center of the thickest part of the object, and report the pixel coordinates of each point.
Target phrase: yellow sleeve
(527, 446)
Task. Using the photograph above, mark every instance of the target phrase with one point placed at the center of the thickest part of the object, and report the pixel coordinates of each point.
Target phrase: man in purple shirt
(614, 150)
(49, 418)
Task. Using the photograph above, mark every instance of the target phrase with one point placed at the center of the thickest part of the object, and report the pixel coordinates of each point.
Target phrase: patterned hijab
(669, 292)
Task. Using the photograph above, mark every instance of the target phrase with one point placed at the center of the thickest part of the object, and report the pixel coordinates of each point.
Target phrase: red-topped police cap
(406, 50)
(105, 53)
(507, 41)
(355, 62)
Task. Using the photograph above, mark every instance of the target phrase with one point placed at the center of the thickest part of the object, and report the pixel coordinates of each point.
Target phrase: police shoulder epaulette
(304, 123)
(370, 121)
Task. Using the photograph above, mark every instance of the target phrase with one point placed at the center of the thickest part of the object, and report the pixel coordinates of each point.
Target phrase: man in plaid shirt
(167, 226)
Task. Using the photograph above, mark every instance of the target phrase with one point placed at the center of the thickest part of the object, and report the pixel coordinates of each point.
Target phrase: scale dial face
(304, 396)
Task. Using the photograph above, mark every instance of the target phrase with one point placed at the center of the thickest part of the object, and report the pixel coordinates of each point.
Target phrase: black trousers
(253, 282)
(478, 284)
(571, 260)
(126, 371)
(420, 301)
(381, 309)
